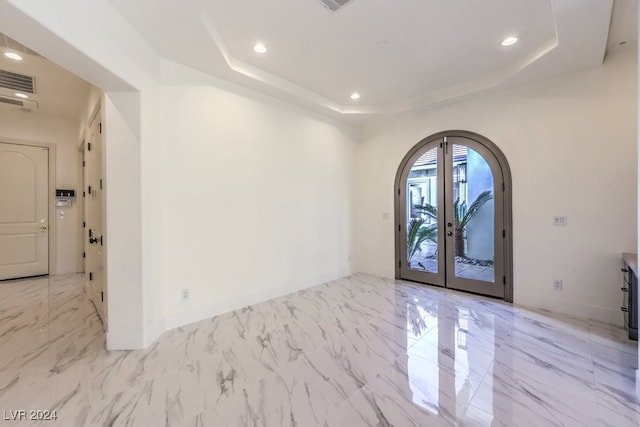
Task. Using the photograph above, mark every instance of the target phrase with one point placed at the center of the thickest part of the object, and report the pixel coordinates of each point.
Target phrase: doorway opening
(453, 215)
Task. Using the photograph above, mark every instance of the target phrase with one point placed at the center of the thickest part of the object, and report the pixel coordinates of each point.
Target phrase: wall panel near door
(24, 211)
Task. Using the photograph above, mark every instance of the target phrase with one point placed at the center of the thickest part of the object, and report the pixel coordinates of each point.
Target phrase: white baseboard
(153, 332)
(125, 340)
(195, 314)
(603, 314)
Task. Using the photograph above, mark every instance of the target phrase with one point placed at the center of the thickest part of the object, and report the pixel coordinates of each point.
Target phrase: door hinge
(84, 254)
(101, 183)
(102, 296)
(504, 233)
(84, 194)
(504, 280)
(399, 263)
(88, 146)
(89, 189)
(100, 128)
(90, 276)
(503, 186)
(84, 224)
(84, 163)
(100, 240)
(399, 228)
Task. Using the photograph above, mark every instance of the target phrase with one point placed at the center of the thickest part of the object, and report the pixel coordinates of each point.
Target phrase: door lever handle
(93, 240)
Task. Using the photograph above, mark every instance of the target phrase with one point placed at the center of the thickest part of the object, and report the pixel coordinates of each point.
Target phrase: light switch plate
(560, 220)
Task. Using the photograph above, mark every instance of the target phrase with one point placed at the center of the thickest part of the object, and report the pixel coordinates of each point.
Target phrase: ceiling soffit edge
(459, 91)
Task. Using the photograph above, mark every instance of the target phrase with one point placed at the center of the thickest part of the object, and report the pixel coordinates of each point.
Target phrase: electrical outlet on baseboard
(184, 296)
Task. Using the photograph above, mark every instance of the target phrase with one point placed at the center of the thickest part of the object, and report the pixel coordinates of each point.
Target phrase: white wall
(39, 128)
(571, 144)
(257, 197)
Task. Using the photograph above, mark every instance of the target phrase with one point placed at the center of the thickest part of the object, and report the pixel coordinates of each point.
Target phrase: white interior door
(24, 211)
(94, 219)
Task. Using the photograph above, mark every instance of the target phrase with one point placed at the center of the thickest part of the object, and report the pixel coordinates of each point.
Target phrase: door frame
(51, 221)
(96, 115)
(507, 205)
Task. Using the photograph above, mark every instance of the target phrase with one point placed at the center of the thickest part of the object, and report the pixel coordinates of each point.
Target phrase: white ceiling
(400, 55)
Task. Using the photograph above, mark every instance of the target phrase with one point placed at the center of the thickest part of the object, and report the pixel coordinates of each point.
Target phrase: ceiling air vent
(334, 5)
(24, 105)
(11, 101)
(15, 81)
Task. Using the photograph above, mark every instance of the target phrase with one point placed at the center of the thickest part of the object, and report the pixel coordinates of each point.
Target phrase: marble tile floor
(360, 351)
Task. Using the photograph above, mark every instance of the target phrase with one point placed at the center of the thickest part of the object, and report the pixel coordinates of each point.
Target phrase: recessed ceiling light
(509, 41)
(13, 55)
(21, 95)
(260, 48)
(355, 95)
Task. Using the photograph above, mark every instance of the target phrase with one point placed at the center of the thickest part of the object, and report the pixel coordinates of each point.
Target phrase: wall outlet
(557, 285)
(560, 220)
(184, 296)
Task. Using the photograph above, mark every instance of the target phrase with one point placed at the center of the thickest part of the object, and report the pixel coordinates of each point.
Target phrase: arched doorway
(453, 215)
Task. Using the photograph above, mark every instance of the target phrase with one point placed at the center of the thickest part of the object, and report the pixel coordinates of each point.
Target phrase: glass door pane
(422, 213)
(421, 252)
(473, 215)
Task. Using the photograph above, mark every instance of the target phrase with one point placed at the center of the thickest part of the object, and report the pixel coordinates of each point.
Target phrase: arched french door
(453, 215)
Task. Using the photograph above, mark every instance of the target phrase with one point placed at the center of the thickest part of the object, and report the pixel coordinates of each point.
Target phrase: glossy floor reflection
(360, 351)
